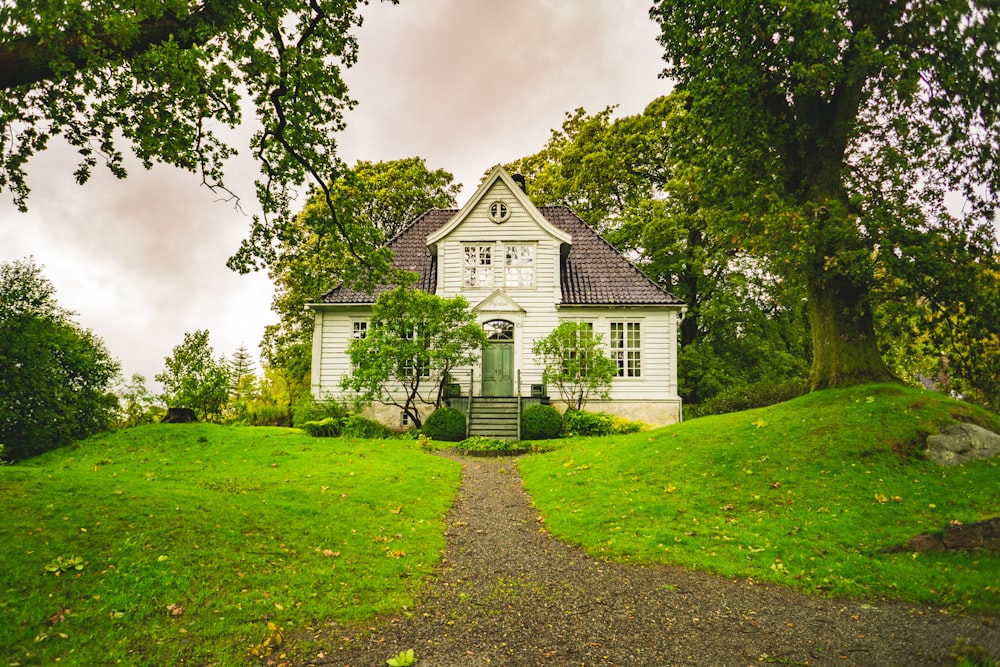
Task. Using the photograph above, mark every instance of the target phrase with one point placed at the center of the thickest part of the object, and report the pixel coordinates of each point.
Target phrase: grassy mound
(805, 493)
(180, 544)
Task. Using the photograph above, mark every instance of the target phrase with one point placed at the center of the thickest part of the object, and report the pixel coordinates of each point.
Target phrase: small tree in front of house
(575, 363)
(413, 342)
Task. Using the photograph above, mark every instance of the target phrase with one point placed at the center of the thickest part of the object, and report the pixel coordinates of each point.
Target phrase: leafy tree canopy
(376, 198)
(55, 377)
(164, 76)
(575, 361)
(192, 378)
(631, 178)
(413, 341)
(831, 134)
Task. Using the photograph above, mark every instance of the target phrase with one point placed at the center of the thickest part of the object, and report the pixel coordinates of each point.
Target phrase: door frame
(500, 333)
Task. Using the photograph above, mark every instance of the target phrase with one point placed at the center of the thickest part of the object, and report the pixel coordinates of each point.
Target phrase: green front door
(498, 358)
(498, 369)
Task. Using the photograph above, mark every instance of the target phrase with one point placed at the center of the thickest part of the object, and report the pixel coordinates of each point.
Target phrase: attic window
(499, 211)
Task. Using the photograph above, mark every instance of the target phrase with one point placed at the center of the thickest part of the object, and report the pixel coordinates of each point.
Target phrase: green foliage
(414, 341)
(287, 364)
(579, 422)
(540, 422)
(215, 529)
(136, 404)
(329, 427)
(308, 409)
(955, 344)
(192, 378)
(811, 124)
(404, 659)
(757, 395)
(575, 362)
(66, 564)
(55, 376)
(788, 494)
(265, 415)
(169, 80)
(630, 178)
(446, 424)
(356, 426)
(242, 381)
(482, 443)
(381, 196)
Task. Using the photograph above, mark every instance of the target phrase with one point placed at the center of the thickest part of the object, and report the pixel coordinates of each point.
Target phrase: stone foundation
(653, 413)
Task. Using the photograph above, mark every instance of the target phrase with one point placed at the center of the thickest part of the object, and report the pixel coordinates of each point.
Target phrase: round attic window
(499, 211)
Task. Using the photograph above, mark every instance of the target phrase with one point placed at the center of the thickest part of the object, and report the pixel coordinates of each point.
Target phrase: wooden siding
(658, 347)
(332, 333)
(538, 303)
(535, 312)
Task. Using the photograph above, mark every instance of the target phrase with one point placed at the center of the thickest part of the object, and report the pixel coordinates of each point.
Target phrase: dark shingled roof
(593, 273)
(410, 252)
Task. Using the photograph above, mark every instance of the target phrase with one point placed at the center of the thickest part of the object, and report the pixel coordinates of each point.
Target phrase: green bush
(265, 415)
(482, 443)
(746, 397)
(580, 422)
(445, 424)
(331, 427)
(356, 426)
(308, 409)
(540, 422)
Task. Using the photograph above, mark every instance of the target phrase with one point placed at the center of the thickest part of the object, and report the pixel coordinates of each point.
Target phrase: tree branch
(31, 60)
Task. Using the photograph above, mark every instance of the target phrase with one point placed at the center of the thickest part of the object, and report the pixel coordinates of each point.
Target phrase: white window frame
(477, 265)
(360, 329)
(409, 365)
(519, 265)
(626, 347)
(569, 355)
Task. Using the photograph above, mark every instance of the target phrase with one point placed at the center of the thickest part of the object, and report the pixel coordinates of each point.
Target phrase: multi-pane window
(499, 330)
(477, 269)
(583, 334)
(360, 331)
(626, 348)
(519, 266)
(416, 364)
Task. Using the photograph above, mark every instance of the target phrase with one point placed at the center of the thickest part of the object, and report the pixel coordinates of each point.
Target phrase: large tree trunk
(845, 351)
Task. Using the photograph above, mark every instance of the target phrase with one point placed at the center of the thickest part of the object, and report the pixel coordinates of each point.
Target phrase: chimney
(519, 179)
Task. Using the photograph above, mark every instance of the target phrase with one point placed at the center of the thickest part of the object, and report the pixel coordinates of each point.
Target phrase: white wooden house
(523, 270)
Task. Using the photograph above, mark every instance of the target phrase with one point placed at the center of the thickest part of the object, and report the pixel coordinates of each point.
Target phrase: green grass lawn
(194, 537)
(805, 493)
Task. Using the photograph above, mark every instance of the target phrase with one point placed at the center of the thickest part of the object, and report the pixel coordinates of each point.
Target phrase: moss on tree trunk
(845, 350)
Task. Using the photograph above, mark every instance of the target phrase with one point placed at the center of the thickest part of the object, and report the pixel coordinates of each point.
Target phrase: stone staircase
(494, 416)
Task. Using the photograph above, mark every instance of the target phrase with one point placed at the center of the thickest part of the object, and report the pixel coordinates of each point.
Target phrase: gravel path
(510, 594)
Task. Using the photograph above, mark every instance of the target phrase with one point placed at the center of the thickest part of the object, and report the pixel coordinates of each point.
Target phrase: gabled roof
(410, 252)
(592, 273)
(498, 173)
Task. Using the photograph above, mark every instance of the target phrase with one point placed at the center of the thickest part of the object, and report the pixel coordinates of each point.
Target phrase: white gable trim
(498, 302)
(499, 173)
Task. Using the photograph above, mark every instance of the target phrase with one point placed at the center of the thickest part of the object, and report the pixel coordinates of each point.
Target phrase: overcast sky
(465, 84)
